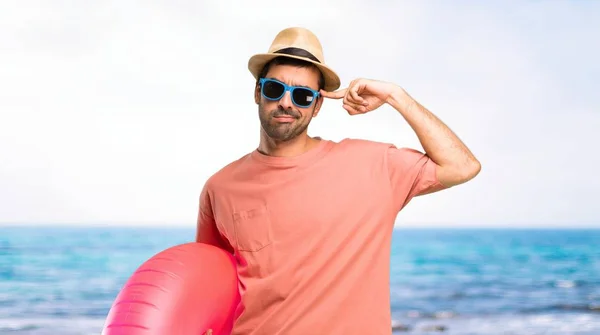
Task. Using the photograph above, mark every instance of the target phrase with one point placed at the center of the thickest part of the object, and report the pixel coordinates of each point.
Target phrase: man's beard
(282, 131)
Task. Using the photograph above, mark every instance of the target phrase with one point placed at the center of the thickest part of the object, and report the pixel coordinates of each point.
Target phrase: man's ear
(317, 106)
(257, 94)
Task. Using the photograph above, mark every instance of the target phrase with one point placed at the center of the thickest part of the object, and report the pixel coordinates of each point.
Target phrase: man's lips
(285, 118)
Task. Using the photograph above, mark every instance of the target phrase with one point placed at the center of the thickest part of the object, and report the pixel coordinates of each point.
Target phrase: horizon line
(403, 225)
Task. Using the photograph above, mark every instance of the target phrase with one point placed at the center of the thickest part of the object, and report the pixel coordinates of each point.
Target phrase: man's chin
(283, 136)
(282, 127)
(283, 131)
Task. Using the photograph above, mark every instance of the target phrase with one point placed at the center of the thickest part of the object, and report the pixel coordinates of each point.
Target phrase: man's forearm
(456, 163)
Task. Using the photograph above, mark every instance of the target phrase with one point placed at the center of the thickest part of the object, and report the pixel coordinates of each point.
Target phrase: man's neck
(291, 148)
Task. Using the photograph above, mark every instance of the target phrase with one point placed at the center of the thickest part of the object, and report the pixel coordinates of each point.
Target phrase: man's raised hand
(362, 95)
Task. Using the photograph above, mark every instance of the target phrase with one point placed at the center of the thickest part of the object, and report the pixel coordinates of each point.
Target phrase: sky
(116, 112)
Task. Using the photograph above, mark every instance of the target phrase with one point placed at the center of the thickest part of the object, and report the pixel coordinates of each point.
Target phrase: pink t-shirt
(311, 234)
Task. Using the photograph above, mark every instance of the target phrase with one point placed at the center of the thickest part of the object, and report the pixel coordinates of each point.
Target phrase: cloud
(119, 111)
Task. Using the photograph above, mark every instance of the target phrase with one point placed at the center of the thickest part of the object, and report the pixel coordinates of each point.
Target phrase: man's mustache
(284, 112)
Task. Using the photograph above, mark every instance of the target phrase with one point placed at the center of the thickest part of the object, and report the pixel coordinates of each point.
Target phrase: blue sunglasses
(274, 90)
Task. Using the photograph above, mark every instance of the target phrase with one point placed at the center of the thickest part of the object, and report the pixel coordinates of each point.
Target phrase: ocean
(63, 280)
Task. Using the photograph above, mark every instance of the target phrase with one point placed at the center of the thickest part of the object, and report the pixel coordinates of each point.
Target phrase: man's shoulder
(227, 172)
(360, 152)
(376, 149)
(363, 145)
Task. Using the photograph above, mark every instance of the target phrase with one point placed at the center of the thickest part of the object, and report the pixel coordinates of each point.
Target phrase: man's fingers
(350, 109)
(353, 109)
(353, 103)
(334, 95)
(356, 106)
(355, 98)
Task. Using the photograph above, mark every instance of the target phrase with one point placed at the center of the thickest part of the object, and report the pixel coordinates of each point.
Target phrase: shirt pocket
(253, 229)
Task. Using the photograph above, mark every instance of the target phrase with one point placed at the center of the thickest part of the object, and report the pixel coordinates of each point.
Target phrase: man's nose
(286, 101)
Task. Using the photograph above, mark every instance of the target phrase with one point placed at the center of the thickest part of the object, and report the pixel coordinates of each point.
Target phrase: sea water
(60, 280)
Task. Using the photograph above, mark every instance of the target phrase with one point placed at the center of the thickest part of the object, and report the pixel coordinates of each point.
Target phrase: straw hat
(298, 43)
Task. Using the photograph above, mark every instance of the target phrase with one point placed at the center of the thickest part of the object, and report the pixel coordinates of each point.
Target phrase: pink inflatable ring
(189, 289)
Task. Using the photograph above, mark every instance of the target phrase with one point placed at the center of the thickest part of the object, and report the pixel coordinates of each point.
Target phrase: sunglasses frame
(286, 88)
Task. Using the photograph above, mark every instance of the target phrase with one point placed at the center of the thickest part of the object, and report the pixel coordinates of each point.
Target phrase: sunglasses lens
(303, 97)
(272, 89)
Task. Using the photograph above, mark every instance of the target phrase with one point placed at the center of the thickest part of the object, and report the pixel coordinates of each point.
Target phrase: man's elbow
(459, 174)
(471, 170)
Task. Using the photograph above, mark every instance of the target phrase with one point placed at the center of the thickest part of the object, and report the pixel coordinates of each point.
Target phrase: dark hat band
(297, 52)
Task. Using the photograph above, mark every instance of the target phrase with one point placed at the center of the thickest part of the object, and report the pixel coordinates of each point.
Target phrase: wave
(509, 324)
(593, 308)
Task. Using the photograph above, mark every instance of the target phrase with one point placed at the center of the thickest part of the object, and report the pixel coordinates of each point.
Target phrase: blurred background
(113, 114)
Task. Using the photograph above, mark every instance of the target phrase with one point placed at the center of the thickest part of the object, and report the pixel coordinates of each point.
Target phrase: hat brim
(258, 61)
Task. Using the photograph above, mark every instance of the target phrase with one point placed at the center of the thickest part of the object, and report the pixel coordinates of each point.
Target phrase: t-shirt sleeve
(411, 173)
(207, 230)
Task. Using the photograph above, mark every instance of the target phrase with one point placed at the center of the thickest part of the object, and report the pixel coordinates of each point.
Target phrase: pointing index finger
(334, 95)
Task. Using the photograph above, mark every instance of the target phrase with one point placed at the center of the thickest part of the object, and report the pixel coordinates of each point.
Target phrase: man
(309, 220)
